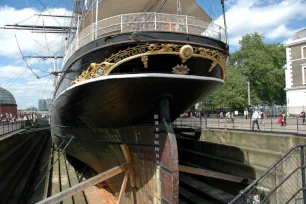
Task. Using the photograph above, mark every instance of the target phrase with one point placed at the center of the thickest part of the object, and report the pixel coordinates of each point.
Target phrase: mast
(179, 8)
(225, 27)
(97, 12)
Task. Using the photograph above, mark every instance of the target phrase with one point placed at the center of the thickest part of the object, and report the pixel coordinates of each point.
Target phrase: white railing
(145, 22)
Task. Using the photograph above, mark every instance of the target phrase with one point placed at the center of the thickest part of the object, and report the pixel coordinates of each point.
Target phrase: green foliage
(31, 109)
(232, 94)
(259, 63)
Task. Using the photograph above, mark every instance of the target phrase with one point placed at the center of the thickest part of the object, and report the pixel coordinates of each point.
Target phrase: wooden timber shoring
(126, 167)
(127, 157)
(214, 174)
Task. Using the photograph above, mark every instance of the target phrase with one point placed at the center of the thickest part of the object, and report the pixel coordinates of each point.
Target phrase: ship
(131, 67)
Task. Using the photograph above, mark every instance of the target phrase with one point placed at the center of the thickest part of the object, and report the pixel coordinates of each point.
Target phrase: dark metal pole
(303, 174)
(179, 8)
(297, 125)
(223, 11)
(56, 16)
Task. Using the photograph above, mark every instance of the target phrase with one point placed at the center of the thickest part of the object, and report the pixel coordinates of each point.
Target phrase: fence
(291, 111)
(147, 21)
(7, 127)
(284, 182)
(269, 124)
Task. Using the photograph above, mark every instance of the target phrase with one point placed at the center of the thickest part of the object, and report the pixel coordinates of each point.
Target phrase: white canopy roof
(108, 8)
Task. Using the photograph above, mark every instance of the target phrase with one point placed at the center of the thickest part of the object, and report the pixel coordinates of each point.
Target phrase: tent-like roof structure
(108, 8)
(6, 97)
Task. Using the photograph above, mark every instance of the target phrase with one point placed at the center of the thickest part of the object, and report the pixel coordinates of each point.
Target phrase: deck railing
(145, 22)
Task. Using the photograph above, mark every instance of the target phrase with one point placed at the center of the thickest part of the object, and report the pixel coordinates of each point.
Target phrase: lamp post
(249, 94)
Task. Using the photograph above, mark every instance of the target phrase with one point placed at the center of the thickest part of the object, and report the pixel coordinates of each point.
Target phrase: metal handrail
(10, 126)
(140, 22)
(254, 183)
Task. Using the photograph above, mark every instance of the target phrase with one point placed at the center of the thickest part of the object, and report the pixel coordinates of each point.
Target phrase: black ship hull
(132, 106)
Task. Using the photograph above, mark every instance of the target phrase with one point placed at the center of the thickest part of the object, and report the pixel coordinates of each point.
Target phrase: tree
(259, 63)
(31, 109)
(231, 95)
(262, 64)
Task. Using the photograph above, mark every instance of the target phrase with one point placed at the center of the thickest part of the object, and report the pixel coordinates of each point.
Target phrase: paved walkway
(293, 125)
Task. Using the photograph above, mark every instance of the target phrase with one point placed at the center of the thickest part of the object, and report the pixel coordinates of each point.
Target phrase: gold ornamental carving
(212, 66)
(180, 69)
(185, 52)
(144, 60)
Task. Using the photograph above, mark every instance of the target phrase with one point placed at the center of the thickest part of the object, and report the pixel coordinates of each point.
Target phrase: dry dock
(214, 165)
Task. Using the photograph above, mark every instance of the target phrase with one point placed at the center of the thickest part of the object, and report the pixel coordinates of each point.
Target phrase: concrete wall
(296, 100)
(246, 154)
(18, 156)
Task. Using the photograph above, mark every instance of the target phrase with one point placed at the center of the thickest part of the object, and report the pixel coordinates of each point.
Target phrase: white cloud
(25, 87)
(270, 18)
(14, 75)
(280, 31)
(10, 71)
(30, 42)
(27, 94)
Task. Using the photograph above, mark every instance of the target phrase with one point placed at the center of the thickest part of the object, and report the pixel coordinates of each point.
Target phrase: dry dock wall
(19, 152)
(240, 153)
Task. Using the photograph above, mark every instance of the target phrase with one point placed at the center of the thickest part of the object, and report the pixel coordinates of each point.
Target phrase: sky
(275, 20)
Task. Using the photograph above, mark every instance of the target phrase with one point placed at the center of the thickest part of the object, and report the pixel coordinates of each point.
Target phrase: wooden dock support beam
(122, 190)
(127, 157)
(213, 174)
(126, 167)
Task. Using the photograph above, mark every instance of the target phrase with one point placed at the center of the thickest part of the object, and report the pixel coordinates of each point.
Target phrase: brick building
(7, 103)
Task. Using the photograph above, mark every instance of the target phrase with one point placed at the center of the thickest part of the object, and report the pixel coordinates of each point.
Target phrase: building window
(304, 52)
(304, 74)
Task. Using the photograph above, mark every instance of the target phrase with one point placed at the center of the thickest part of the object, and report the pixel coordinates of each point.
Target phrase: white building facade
(296, 73)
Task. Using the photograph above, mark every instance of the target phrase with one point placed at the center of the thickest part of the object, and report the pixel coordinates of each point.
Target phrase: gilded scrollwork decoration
(185, 52)
(212, 66)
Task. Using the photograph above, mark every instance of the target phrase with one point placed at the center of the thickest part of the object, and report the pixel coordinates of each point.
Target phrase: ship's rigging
(41, 44)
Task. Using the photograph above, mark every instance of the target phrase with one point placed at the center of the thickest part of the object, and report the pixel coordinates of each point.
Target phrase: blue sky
(276, 20)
